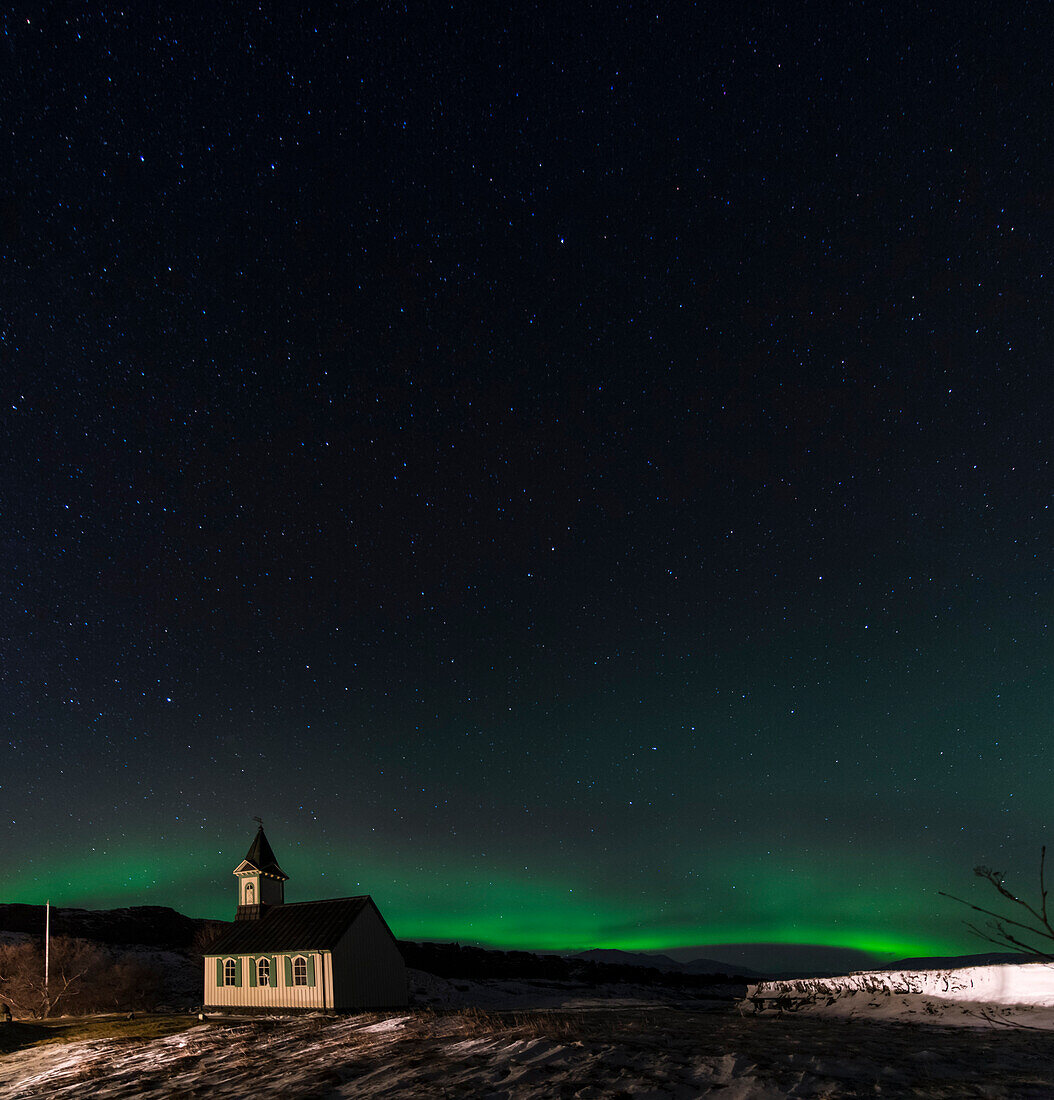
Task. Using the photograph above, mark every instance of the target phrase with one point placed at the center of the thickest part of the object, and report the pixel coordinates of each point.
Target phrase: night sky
(581, 475)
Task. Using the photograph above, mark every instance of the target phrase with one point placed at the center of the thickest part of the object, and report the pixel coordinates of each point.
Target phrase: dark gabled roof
(300, 926)
(262, 858)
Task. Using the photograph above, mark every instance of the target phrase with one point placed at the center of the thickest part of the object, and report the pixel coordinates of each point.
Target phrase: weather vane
(260, 820)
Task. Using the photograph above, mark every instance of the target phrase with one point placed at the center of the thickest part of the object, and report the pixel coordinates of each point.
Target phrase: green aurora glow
(452, 902)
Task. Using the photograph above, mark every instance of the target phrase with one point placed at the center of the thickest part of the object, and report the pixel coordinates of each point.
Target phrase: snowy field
(534, 1040)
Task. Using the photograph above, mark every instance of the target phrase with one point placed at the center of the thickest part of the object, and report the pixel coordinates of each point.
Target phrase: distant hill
(666, 964)
(147, 925)
(712, 966)
(951, 962)
(628, 958)
(612, 956)
(451, 960)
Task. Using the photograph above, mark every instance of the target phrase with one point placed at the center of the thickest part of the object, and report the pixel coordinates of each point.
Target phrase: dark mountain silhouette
(147, 925)
(613, 956)
(452, 960)
(950, 962)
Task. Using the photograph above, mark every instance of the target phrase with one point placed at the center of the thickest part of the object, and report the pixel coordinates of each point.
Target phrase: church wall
(281, 995)
(368, 970)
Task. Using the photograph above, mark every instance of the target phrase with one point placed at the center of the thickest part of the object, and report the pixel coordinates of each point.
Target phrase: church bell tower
(261, 882)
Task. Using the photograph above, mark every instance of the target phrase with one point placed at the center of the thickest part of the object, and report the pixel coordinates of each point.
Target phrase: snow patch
(1019, 984)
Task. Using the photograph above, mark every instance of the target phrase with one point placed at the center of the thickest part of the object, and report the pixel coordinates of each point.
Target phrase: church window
(300, 970)
(263, 972)
(230, 972)
(249, 892)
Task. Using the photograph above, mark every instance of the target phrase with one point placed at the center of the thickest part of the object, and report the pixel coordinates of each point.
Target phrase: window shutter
(252, 973)
(219, 973)
(272, 976)
(288, 971)
(237, 972)
(311, 970)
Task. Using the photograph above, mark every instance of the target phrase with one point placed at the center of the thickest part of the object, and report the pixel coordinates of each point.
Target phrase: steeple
(261, 882)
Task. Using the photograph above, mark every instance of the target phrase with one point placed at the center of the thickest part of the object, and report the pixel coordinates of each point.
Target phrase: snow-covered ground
(629, 1041)
(1020, 984)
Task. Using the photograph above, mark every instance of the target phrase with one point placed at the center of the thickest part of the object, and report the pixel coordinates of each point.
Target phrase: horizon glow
(502, 913)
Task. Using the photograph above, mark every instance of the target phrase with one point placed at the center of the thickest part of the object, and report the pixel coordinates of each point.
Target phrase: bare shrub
(133, 984)
(74, 964)
(82, 978)
(19, 978)
(205, 936)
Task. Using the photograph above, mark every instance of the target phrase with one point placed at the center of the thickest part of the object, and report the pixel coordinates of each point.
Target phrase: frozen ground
(607, 1043)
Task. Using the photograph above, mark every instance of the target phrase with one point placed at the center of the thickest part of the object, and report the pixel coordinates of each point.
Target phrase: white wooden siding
(271, 996)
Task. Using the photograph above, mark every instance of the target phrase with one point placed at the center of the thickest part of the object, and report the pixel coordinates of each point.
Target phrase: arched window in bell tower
(250, 894)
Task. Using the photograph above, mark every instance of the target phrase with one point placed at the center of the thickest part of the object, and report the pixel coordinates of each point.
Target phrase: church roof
(297, 926)
(261, 856)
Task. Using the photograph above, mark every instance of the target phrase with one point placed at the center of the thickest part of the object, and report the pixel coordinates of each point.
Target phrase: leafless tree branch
(1001, 929)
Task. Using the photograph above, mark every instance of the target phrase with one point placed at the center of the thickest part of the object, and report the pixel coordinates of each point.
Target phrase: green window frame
(263, 971)
(300, 970)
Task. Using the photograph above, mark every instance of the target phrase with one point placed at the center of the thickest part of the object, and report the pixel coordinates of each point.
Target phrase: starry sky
(580, 473)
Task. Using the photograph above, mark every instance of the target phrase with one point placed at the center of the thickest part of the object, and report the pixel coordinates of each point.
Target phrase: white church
(306, 956)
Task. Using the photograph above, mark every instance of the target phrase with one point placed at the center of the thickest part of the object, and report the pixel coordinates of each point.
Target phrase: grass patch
(21, 1034)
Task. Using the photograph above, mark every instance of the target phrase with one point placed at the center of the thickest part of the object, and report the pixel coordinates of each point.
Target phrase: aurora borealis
(581, 477)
